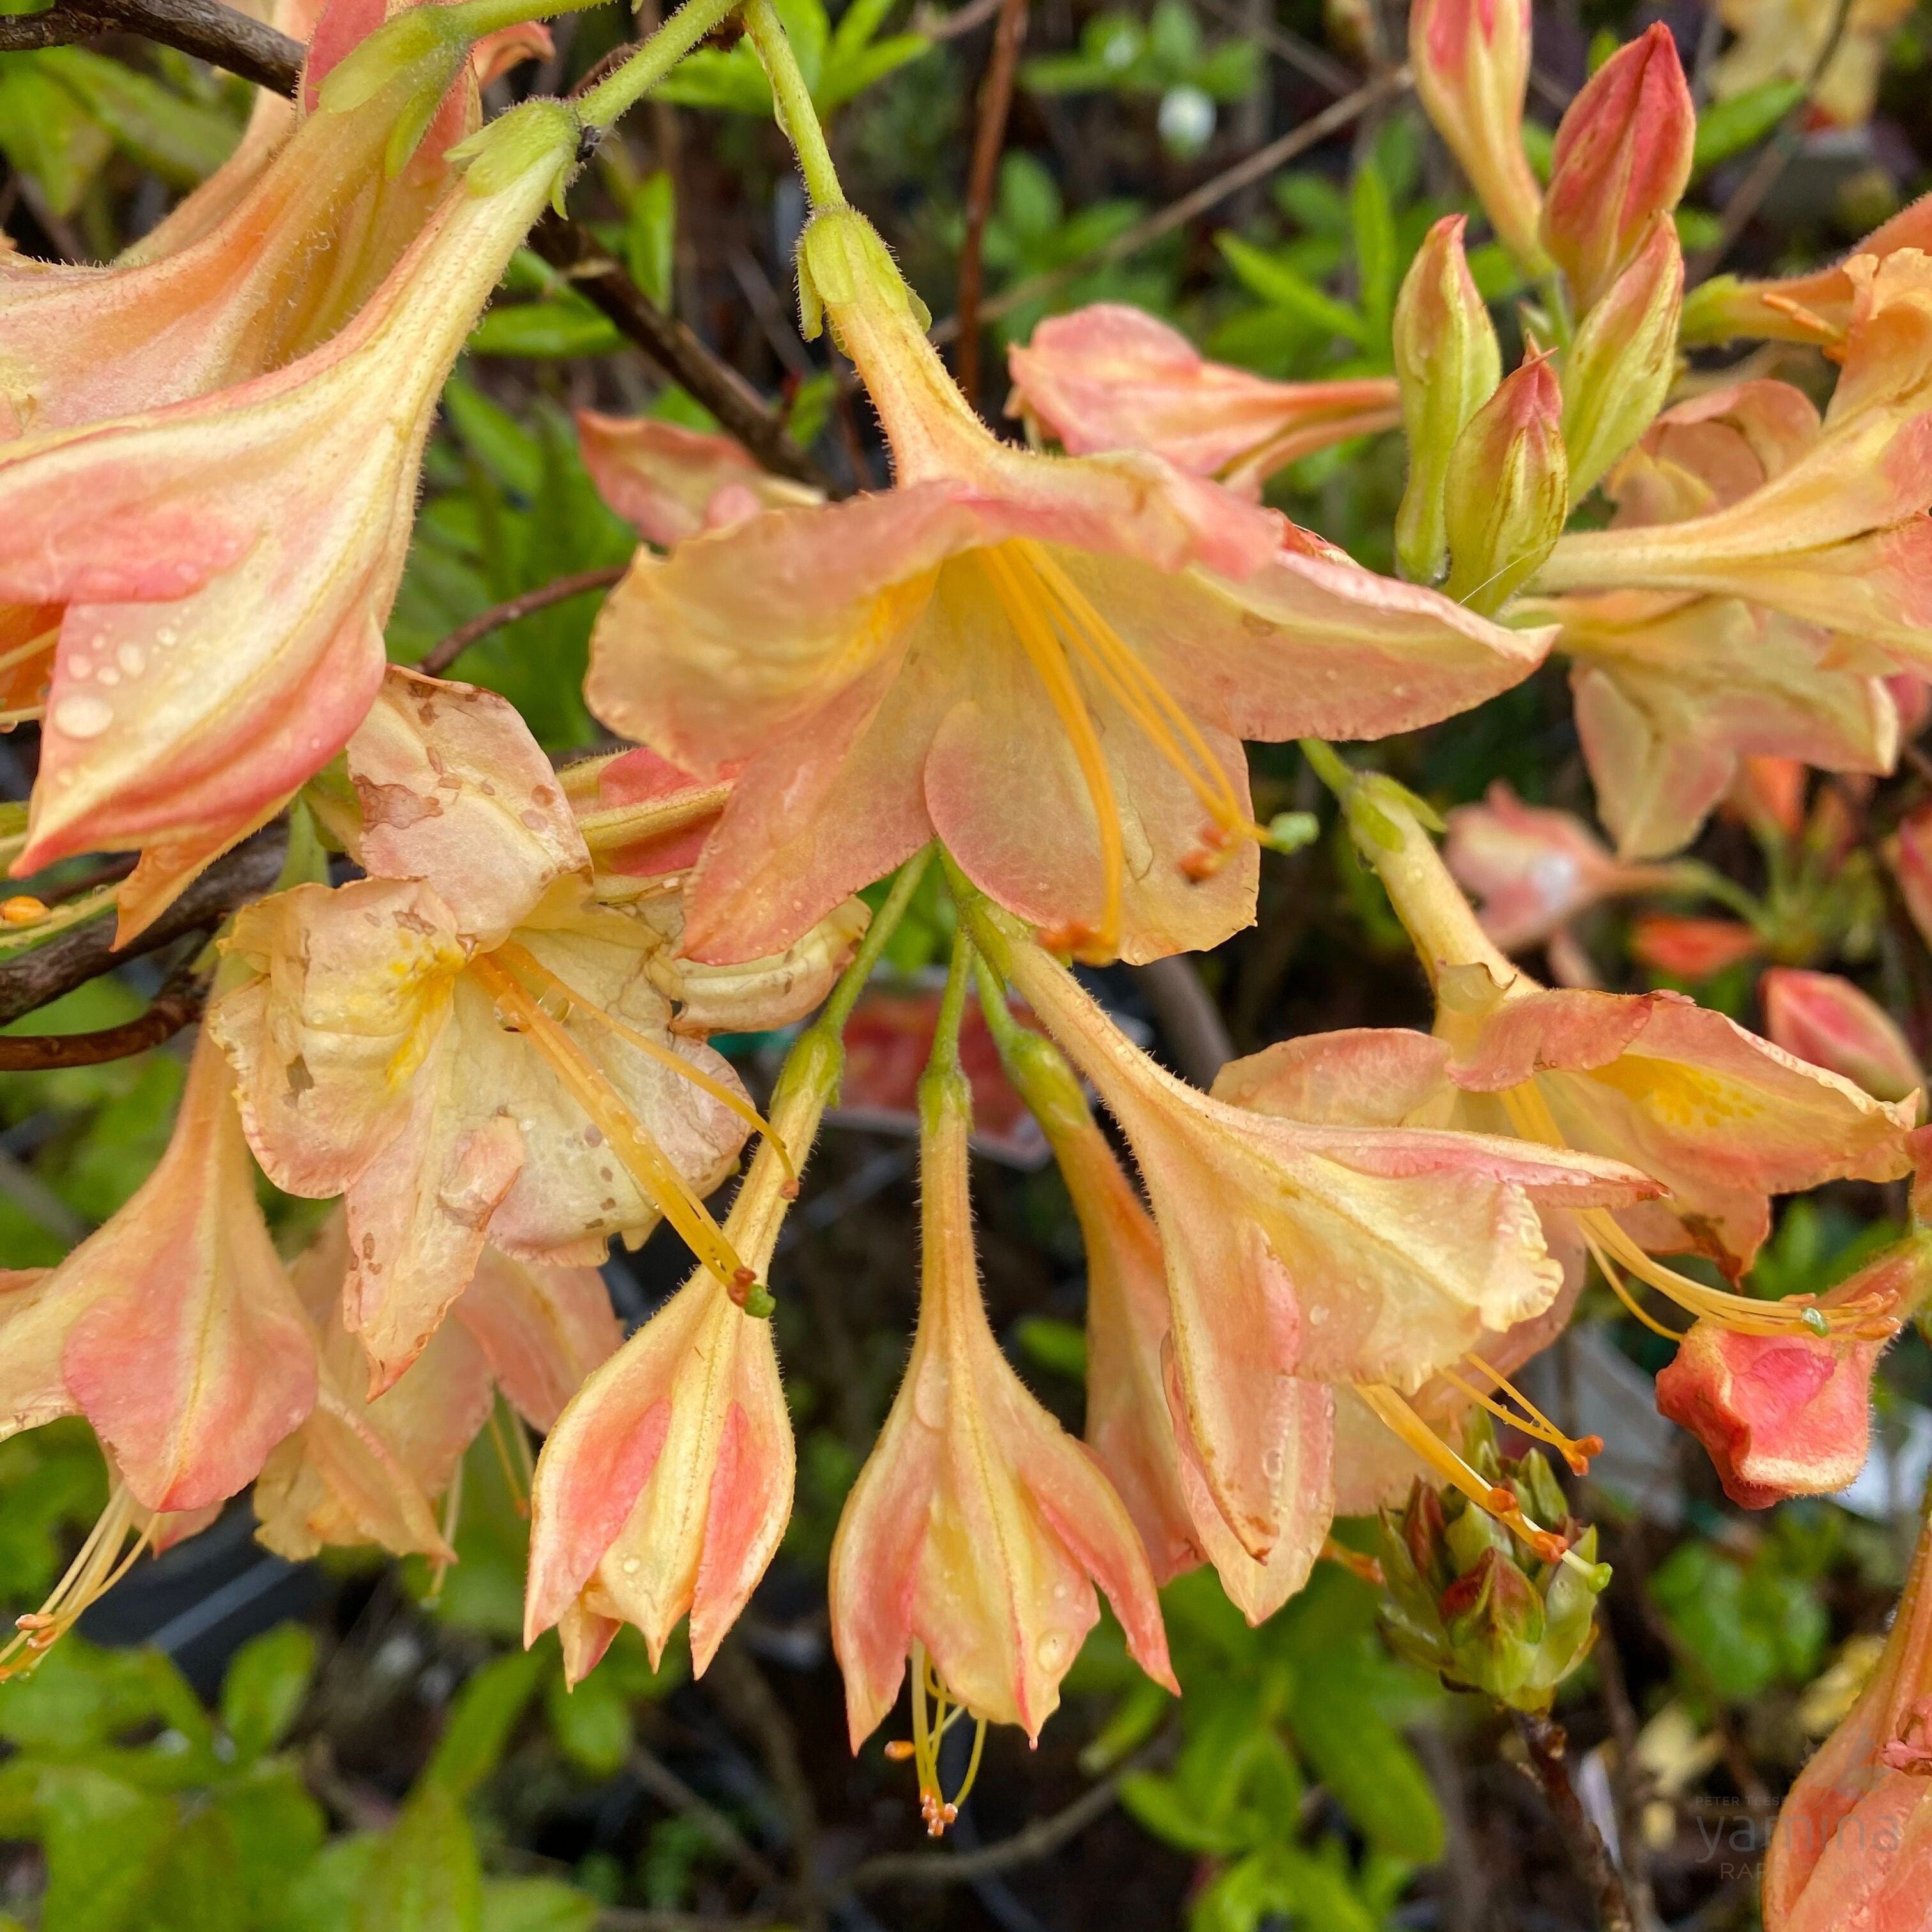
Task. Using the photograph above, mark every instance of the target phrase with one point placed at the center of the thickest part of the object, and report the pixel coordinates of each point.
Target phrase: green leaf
(592, 1724)
(48, 133)
(510, 453)
(1315, 203)
(324, 1898)
(1060, 1346)
(561, 327)
(1727, 128)
(1279, 285)
(198, 1886)
(278, 1830)
(1362, 1759)
(650, 236)
(182, 141)
(424, 1877)
(104, 1842)
(1158, 1805)
(480, 1720)
(81, 1697)
(1373, 219)
(536, 1905)
(265, 1687)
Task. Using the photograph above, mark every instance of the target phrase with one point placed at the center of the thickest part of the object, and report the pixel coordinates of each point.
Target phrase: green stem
(618, 92)
(943, 1062)
(792, 100)
(838, 1010)
(1692, 875)
(473, 19)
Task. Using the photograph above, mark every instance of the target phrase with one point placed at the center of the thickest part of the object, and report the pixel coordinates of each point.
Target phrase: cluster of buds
(1467, 1597)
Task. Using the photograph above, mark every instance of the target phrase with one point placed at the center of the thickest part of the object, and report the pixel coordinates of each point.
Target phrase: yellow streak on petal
(1019, 597)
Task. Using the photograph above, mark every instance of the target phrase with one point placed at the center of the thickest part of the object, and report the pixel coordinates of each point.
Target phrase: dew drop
(631, 1565)
(131, 658)
(109, 675)
(79, 669)
(83, 714)
(1050, 1652)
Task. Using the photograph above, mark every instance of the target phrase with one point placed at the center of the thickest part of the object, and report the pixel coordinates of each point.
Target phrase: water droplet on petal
(82, 714)
(131, 658)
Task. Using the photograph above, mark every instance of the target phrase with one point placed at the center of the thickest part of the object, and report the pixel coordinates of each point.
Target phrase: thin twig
(752, 1704)
(597, 276)
(664, 1784)
(1749, 194)
(43, 973)
(203, 28)
(178, 1004)
(1043, 1836)
(1178, 213)
(1544, 1742)
(440, 656)
(1190, 1022)
(989, 136)
(1323, 69)
(1627, 1786)
(934, 24)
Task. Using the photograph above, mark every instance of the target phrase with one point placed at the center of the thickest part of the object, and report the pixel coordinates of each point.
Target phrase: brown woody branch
(83, 953)
(203, 28)
(441, 655)
(1548, 1767)
(996, 96)
(178, 1004)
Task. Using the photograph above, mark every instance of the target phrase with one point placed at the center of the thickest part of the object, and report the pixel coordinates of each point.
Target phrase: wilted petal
(674, 482)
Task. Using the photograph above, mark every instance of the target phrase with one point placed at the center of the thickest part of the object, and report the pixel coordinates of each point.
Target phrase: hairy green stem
(618, 92)
(792, 99)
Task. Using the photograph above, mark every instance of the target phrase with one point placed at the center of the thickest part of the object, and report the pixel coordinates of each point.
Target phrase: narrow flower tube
(977, 1531)
(1448, 364)
(1789, 1415)
(1853, 1841)
(1622, 158)
(1470, 58)
(1108, 377)
(1825, 1019)
(226, 564)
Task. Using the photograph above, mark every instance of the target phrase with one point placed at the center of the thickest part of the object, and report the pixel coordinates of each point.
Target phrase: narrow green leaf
(536, 1905)
(1727, 128)
(1283, 288)
(264, 1687)
(424, 1877)
(480, 1720)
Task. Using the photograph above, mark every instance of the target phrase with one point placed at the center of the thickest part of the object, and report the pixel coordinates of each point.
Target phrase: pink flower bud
(1471, 63)
(1507, 489)
(1691, 949)
(1788, 1415)
(1768, 795)
(1622, 157)
(1826, 1020)
(1448, 364)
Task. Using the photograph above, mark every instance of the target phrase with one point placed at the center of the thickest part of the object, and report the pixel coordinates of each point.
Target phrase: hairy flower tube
(463, 1042)
(1109, 377)
(1048, 661)
(224, 566)
(1853, 1841)
(972, 1542)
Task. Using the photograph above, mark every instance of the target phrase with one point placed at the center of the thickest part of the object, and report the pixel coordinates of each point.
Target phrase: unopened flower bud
(1507, 489)
(1465, 1597)
(1622, 157)
(1471, 59)
(1909, 853)
(1826, 1020)
(1620, 364)
(1447, 365)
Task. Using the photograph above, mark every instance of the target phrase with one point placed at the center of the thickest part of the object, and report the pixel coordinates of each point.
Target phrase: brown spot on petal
(300, 1078)
(394, 804)
(533, 821)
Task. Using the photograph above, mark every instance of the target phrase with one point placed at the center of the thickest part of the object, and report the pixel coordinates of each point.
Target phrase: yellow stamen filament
(1493, 1499)
(42, 641)
(27, 714)
(452, 1516)
(1529, 1114)
(1020, 599)
(1354, 1561)
(1805, 318)
(516, 1478)
(1526, 1419)
(99, 1565)
(928, 1728)
(524, 962)
(1609, 1270)
(1173, 733)
(645, 1162)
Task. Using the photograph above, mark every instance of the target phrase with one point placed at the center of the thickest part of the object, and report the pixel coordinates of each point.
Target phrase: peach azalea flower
(1048, 662)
